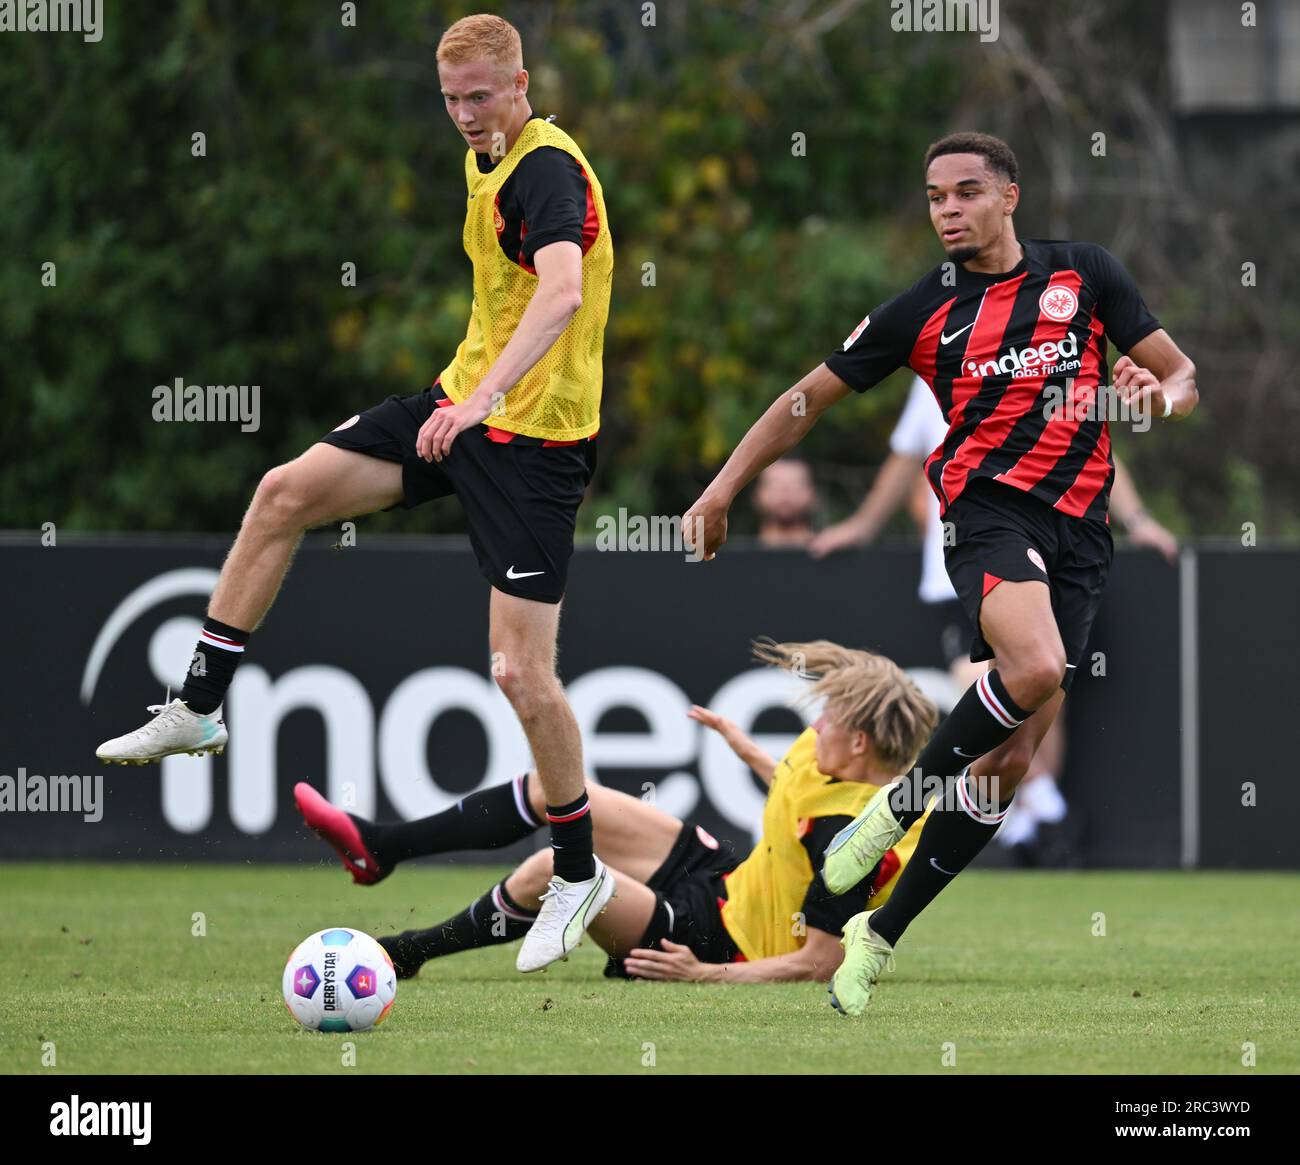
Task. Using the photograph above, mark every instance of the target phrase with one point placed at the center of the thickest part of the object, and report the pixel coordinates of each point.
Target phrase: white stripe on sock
(521, 802)
(500, 904)
(992, 703)
(220, 644)
(973, 810)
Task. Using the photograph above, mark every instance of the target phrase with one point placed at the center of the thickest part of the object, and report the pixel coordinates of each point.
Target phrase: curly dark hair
(996, 153)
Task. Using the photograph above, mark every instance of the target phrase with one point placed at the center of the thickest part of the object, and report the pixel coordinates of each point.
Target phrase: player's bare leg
(619, 927)
(997, 774)
(1038, 801)
(629, 833)
(1048, 806)
(324, 484)
(522, 637)
(1017, 621)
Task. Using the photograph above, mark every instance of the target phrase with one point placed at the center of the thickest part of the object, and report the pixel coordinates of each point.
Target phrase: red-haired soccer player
(508, 427)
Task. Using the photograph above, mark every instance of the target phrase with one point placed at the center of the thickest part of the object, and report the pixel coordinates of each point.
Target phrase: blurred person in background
(785, 499)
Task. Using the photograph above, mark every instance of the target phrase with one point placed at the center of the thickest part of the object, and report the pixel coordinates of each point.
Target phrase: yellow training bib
(765, 893)
(559, 397)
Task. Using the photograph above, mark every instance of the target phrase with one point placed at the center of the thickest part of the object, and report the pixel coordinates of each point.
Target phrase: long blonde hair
(863, 691)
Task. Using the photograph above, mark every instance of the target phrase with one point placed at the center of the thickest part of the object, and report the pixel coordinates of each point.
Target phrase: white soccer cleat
(568, 908)
(175, 729)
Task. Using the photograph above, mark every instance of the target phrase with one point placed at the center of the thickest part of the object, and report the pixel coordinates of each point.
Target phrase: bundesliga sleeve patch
(853, 335)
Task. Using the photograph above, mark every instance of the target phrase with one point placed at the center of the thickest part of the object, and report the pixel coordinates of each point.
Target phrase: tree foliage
(761, 165)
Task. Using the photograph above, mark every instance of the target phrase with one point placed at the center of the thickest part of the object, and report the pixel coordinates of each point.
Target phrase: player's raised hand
(1146, 531)
(704, 527)
(1138, 387)
(739, 743)
(729, 730)
(841, 536)
(433, 442)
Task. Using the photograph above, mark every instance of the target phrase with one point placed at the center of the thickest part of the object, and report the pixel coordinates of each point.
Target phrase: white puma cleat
(568, 908)
(175, 729)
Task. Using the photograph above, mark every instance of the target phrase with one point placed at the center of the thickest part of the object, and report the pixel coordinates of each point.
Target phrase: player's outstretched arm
(891, 488)
(815, 962)
(763, 765)
(777, 431)
(1159, 376)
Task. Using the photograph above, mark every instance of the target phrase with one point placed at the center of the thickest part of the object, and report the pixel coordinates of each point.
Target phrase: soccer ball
(339, 980)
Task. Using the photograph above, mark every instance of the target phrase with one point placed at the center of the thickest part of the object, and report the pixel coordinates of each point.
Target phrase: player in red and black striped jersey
(1011, 336)
(994, 349)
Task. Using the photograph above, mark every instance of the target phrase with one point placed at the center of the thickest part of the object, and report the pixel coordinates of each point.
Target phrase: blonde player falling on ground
(685, 908)
(508, 427)
(921, 428)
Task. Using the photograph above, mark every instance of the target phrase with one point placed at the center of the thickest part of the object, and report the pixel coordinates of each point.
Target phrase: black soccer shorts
(1003, 534)
(520, 494)
(689, 887)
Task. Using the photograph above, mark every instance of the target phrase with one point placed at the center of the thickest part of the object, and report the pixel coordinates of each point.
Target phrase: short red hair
(482, 37)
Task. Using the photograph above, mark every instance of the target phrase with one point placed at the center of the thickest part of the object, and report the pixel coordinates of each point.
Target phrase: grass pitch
(1004, 973)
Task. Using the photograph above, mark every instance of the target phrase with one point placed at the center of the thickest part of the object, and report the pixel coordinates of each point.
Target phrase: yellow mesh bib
(559, 397)
(765, 893)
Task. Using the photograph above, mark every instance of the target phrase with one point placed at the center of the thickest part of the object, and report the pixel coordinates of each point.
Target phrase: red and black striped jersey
(999, 352)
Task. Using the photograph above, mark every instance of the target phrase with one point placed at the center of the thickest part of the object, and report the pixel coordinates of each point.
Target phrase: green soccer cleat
(855, 850)
(866, 954)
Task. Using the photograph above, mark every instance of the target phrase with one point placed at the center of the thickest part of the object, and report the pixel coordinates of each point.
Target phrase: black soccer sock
(219, 651)
(984, 717)
(952, 837)
(488, 921)
(571, 844)
(488, 819)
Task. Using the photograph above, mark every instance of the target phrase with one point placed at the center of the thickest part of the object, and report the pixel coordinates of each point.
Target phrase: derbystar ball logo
(329, 1000)
(1049, 358)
